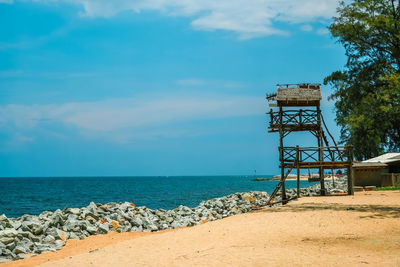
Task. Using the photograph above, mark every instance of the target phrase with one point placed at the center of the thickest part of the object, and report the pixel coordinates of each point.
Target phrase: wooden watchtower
(299, 110)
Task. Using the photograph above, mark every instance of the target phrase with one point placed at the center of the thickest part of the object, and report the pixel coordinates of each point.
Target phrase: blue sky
(153, 87)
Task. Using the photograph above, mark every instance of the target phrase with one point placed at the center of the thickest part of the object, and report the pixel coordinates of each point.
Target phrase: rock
(59, 244)
(16, 224)
(107, 207)
(11, 245)
(74, 236)
(93, 215)
(336, 191)
(103, 228)
(6, 251)
(20, 249)
(13, 256)
(219, 204)
(152, 227)
(75, 211)
(146, 222)
(92, 207)
(57, 219)
(28, 244)
(91, 219)
(43, 248)
(57, 233)
(114, 225)
(176, 224)
(49, 239)
(77, 223)
(3, 218)
(22, 256)
(74, 225)
(34, 227)
(136, 222)
(34, 238)
(91, 229)
(137, 229)
(6, 240)
(8, 233)
(63, 235)
(249, 198)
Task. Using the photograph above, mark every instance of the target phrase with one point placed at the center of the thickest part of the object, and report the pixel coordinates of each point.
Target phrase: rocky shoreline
(49, 231)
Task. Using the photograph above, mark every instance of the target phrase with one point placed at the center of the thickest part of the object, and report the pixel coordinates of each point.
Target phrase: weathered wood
(286, 121)
(304, 92)
(321, 152)
(316, 165)
(298, 171)
(281, 135)
(350, 181)
(281, 184)
(298, 94)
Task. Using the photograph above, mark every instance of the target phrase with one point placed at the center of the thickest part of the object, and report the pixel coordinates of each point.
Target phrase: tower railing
(293, 117)
(288, 155)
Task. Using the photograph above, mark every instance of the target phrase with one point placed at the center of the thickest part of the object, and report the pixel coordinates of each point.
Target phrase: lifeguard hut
(298, 109)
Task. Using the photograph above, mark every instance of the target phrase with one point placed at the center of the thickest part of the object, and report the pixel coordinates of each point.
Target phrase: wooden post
(320, 152)
(298, 171)
(350, 181)
(271, 113)
(300, 118)
(281, 133)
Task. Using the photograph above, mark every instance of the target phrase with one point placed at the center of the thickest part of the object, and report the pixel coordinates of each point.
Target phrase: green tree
(367, 91)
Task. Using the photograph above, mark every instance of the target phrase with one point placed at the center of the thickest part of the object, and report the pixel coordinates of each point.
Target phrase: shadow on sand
(378, 211)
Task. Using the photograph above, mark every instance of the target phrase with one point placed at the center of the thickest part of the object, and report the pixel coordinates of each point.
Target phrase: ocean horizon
(33, 195)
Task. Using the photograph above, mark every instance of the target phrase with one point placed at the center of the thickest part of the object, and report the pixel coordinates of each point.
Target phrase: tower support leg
(350, 181)
(298, 171)
(284, 199)
(322, 181)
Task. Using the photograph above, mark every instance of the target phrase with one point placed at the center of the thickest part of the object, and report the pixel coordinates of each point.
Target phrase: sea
(33, 195)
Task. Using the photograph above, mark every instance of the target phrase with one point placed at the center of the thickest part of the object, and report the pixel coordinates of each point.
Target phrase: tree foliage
(367, 91)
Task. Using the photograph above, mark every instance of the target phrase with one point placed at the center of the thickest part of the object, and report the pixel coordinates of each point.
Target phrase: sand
(358, 230)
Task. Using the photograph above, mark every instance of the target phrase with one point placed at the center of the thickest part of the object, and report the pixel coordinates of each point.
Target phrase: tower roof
(303, 94)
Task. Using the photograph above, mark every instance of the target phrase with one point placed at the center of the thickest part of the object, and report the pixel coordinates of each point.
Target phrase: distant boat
(262, 179)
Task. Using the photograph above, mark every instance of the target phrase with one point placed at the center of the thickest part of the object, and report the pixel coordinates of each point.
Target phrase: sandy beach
(326, 231)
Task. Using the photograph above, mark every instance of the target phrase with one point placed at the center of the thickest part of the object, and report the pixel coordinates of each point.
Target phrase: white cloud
(117, 117)
(323, 31)
(19, 138)
(306, 28)
(247, 18)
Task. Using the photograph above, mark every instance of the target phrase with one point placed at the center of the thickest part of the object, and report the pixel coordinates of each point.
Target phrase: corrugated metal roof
(371, 165)
(385, 158)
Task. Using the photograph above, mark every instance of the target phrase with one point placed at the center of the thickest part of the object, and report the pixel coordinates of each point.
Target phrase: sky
(154, 87)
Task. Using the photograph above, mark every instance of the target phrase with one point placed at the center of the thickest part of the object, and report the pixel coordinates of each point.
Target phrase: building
(380, 171)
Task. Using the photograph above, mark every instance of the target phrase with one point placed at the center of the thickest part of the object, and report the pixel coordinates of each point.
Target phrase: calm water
(33, 195)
